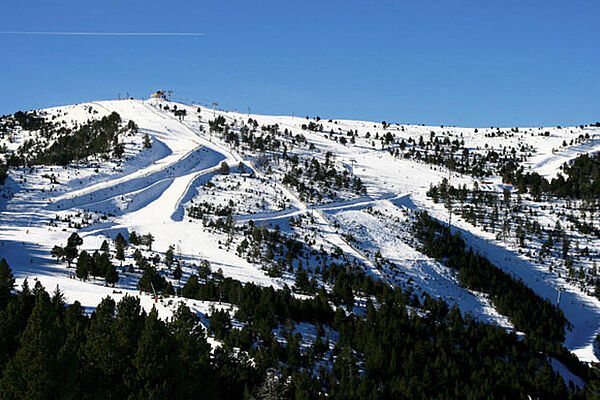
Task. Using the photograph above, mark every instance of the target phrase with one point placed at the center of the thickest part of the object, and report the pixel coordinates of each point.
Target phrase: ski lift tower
(353, 162)
(560, 289)
(154, 291)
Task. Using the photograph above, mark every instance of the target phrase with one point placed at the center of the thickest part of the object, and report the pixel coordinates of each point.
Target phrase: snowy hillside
(281, 201)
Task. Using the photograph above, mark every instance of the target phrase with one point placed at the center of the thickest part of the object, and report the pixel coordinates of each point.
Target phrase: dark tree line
(52, 350)
(581, 179)
(535, 316)
(386, 353)
(93, 138)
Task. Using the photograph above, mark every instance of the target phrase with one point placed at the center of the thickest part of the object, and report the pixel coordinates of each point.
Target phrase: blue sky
(468, 63)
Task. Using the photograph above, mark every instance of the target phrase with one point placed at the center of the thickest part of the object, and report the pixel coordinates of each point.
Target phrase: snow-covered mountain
(200, 180)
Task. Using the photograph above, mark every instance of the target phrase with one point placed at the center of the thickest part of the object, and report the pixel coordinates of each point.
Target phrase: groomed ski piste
(150, 191)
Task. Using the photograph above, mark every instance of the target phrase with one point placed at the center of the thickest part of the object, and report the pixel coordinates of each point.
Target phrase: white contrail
(102, 33)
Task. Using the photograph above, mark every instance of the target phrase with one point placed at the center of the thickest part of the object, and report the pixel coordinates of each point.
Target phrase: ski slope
(150, 191)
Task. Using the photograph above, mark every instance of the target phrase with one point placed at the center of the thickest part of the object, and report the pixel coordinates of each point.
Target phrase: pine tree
(566, 243)
(33, 372)
(134, 238)
(58, 252)
(69, 360)
(69, 254)
(120, 244)
(272, 388)
(103, 264)
(111, 275)
(104, 247)
(204, 269)
(147, 142)
(13, 320)
(83, 264)
(302, 284)
(99, 353)
(169, 290)
(154, 360)
(177, 273)
(191, 287)
(235, 369)
(7, 283)
(94, 264)
(151, 281)
(126, 331)
(224, 168)
(74, 240)
(169, 256)
(147, 240)
(70, 251)
(198, 379)
(58, 301)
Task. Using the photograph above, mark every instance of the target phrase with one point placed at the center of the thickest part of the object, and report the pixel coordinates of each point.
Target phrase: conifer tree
(104, 247)
(191, 287)
(111, 275)
(147, 142)
(169, 290)
(33, 372)
(7, 283)
(126, 331)
(120, 244)
(193, 355)
(103, 264)
(169, 256)
(154, 360)
(69, 359)
(58, 252)
(177, 273)
(99, 353)
(151, 281)
(13, 319)
(94, 264)
(147, 240)
(74, 240)
(70, 251)
(134, 238)
(302, 284)
(83, 265)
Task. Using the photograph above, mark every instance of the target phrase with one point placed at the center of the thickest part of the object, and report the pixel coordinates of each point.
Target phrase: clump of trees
(151, 281)
(51, 349)
(69, 252)
(97, 264)
(581, 179)
(537, 317)
(145, 240)
(224, 168)
(313, 176)
(93, 138)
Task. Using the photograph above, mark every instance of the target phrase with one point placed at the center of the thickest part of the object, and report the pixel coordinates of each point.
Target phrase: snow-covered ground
(153, 190)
